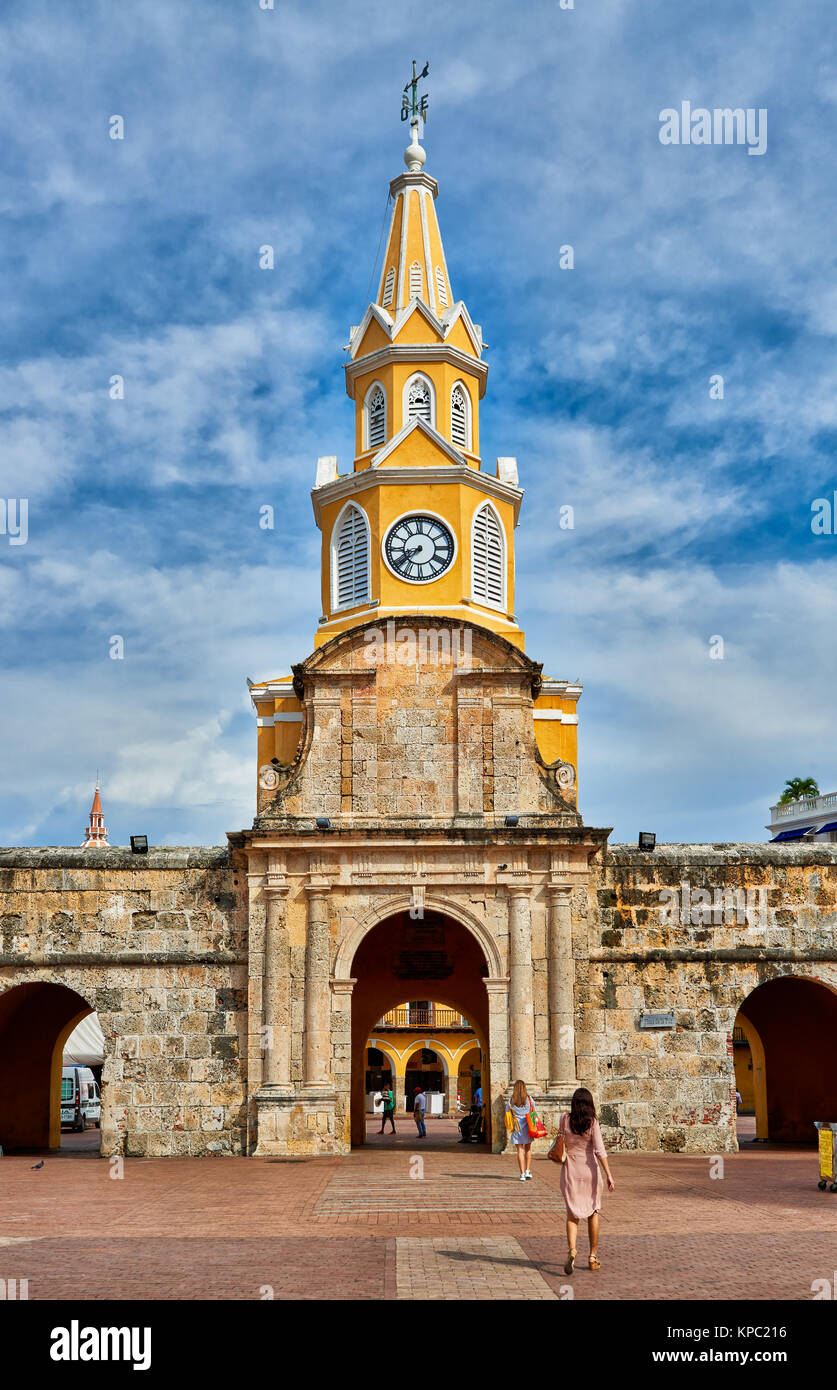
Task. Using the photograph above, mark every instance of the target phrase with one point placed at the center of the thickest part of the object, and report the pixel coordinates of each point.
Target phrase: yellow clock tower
(419, 526)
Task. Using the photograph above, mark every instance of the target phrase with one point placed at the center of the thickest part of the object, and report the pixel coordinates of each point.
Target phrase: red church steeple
(96, 835)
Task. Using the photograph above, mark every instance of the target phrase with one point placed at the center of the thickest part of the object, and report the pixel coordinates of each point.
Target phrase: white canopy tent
(85, 1047)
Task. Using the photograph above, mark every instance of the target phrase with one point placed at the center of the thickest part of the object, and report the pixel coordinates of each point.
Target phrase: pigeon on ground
(38, 1165)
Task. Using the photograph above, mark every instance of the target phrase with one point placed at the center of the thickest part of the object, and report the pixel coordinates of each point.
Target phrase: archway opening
(420, 1002)
(35, 1022)
(469, 1077)
(782, 1054)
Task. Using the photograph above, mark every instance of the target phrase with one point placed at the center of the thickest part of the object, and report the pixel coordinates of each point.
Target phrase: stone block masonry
(185, 957)
(157, 945)
(682, 931)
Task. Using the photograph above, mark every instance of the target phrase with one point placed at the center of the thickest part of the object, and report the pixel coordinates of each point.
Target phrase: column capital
(315, 888)
(497, 984)
(517, 890)
(342, 986)
(276, 891)
(558, 889)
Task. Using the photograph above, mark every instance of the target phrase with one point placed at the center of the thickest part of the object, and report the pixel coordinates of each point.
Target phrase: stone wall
(673, 1088)
(157, 945)
(161, 946)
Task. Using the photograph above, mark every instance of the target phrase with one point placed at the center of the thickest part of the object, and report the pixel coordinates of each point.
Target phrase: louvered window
(419, 401)
(415, 280)
(441, 287)
(389, 285)
(489, 559)
(459, 422)
(350, 560)
(376, 418)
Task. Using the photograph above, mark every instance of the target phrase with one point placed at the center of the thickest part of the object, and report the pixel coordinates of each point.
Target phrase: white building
(811, 818)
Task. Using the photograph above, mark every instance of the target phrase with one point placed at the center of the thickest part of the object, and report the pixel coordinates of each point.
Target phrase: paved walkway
(412, 1223)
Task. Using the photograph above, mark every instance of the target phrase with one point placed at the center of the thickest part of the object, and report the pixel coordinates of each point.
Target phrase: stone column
(276, 993)
(316, 1048)
(494, 1060)
(561, 980)
(521, 987)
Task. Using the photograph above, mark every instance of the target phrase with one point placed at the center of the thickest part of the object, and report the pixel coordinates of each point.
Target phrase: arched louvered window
(488, 558)
(376, 417)
(418, 403)
(389, 285)
(441, 286)
(350, 559)
(460, 417)
(415, 280)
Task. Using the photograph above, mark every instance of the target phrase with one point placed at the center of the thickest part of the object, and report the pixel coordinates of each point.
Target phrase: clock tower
(419, 525)
(417, 834)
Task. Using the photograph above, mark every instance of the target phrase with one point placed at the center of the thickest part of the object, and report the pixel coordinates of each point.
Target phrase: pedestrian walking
(581, 1174)
(518, 1110)
(419, 1107)
(388, 1112)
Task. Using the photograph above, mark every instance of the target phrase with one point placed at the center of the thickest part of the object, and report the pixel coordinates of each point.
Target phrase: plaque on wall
(656, 1020)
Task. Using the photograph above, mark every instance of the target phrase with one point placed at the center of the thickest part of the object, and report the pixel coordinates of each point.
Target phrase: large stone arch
(37, 1015)
(364, 969)
(790, 1020)
(402, 902)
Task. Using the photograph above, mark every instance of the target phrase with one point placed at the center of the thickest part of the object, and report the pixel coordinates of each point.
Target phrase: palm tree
(798, 787)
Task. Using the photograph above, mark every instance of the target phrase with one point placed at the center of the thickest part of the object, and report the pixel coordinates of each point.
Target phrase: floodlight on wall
(323, 823)
(511, 820)
(139, 844)
(647, 840)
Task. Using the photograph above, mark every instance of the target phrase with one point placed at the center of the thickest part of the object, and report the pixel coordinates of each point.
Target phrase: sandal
(570, 1264)
(594, 1262)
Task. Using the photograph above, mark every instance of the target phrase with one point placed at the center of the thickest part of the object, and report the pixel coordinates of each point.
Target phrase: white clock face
(419, 548)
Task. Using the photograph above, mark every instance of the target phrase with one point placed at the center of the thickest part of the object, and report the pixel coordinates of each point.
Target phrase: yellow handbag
(509, 1119)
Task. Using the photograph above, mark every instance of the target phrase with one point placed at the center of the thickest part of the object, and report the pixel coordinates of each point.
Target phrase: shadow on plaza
(541, 1266)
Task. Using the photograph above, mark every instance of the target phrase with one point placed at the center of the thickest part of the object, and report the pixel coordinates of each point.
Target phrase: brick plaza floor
(379, 1225)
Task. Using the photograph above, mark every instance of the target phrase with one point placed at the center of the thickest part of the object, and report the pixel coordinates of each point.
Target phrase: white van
(81, 1103)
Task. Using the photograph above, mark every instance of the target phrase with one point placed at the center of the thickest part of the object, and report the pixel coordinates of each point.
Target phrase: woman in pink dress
(581, 1175)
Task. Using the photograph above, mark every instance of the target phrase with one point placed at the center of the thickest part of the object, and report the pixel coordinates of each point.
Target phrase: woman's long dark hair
(582, 1111)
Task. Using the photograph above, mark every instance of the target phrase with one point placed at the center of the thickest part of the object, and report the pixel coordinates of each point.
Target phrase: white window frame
(441, 287)
(367, 442)
(354, 602)
(485, 601)
(469, 433)
(415, 294)
(419, 376)
(389, 287)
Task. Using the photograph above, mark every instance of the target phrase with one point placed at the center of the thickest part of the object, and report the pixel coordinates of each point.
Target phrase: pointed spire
(414, 264)
(96, 835)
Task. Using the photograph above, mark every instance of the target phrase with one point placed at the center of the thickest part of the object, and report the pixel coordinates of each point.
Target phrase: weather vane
(411, 108)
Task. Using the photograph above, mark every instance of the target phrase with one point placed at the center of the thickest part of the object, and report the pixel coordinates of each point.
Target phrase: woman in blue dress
(518, 1127)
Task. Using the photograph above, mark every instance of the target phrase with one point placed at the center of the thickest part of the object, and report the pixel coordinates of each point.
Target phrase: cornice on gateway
(446, 473)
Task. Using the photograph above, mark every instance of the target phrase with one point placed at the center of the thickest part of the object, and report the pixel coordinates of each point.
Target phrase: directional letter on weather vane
(411, 108)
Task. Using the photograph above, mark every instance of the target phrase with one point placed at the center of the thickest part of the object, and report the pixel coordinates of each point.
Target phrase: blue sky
(140, 258)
